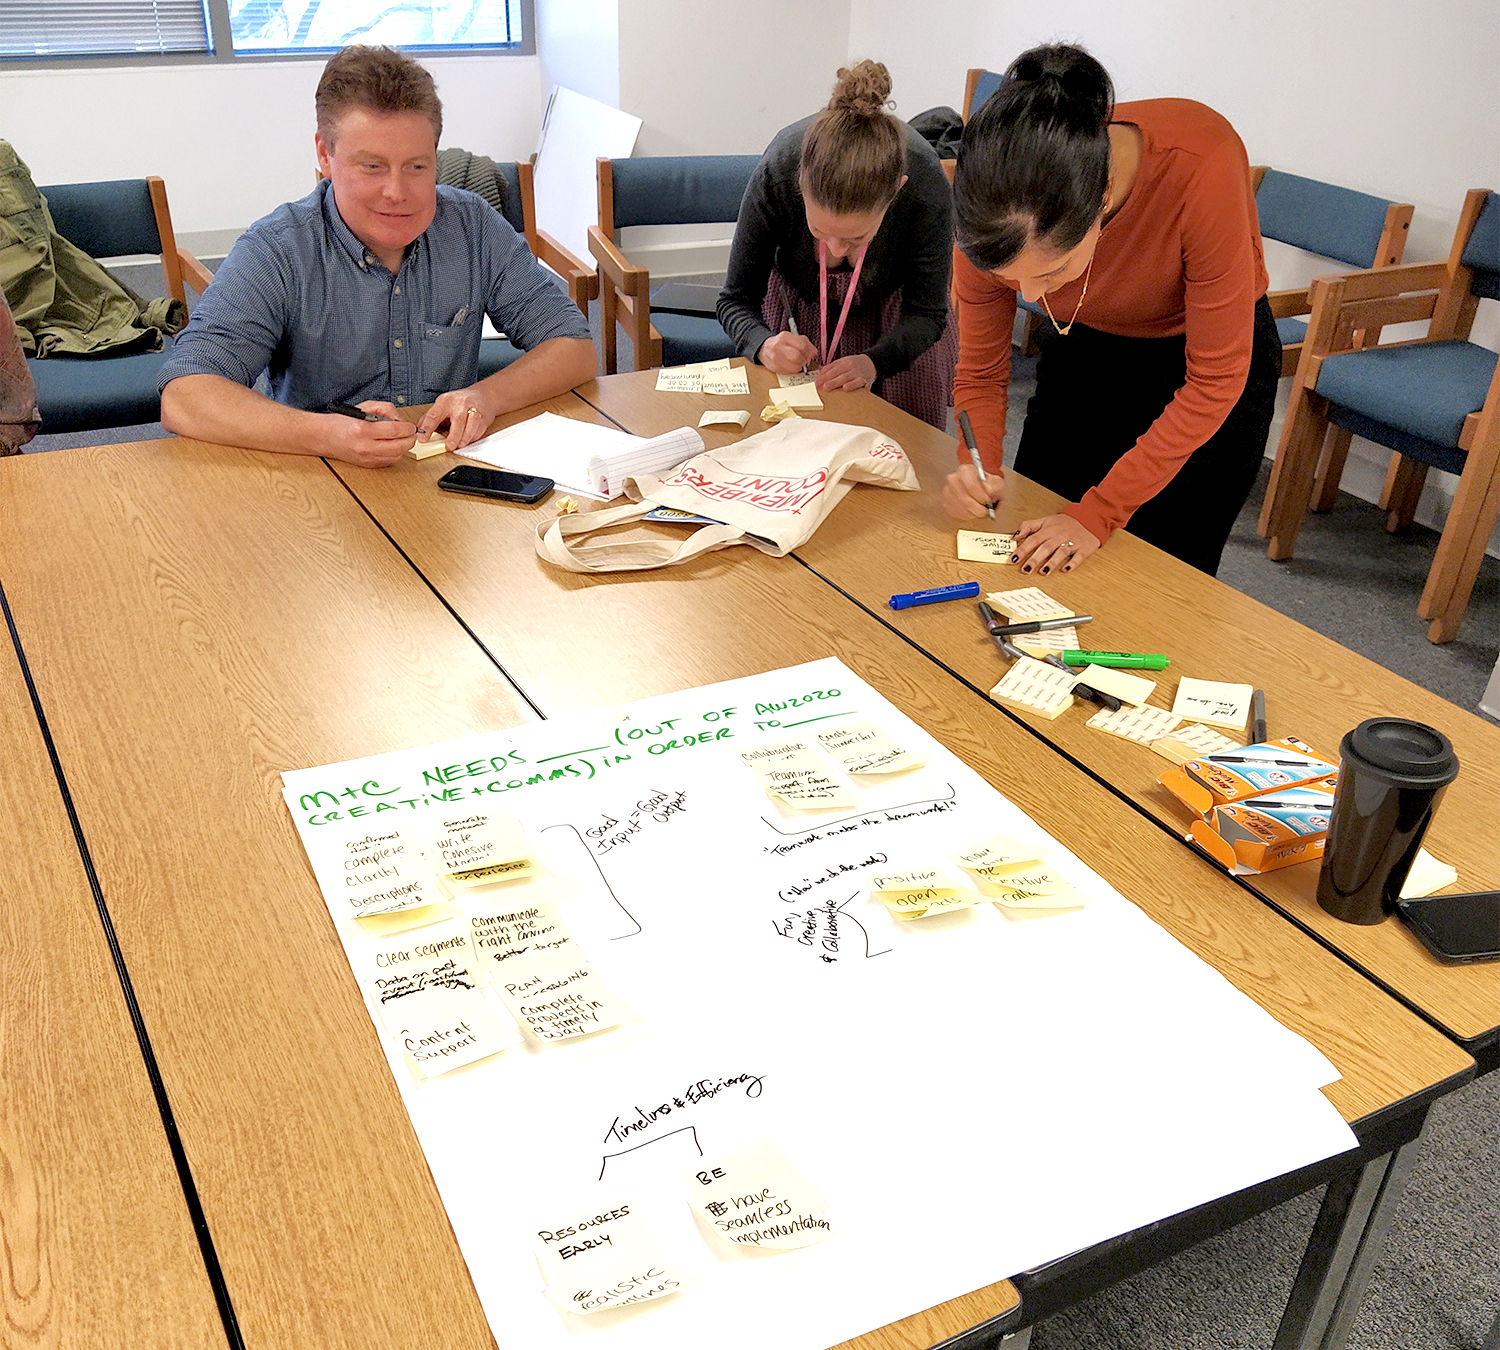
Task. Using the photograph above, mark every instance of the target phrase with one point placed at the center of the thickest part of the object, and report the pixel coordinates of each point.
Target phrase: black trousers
(1097, 393)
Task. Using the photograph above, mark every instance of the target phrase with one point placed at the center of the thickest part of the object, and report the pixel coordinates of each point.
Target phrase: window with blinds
(101, 27)
(299, 25)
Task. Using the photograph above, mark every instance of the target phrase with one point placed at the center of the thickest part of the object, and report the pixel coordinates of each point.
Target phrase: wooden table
(574, 642)
(96, 1240)
(228, 614)
(878, 543)
(198, 619)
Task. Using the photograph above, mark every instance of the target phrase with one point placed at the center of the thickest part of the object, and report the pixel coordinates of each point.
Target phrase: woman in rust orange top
(1134, 227)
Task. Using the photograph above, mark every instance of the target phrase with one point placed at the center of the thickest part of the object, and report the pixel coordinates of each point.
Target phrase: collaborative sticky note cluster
(601, 1256)
(427, 973)
(704, 377)
(1014, 874)
(919, 891)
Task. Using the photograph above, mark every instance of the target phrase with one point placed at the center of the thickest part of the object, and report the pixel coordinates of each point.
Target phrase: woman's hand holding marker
(965, 496)
(1053, 544)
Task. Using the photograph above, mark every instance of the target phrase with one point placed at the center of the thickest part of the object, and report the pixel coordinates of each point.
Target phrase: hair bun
(1068, 77)
(863, 89)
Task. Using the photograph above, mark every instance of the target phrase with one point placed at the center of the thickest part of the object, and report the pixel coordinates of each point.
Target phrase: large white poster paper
(774, 997)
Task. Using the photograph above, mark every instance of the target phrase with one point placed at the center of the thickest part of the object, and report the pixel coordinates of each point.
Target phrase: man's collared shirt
(302, 301)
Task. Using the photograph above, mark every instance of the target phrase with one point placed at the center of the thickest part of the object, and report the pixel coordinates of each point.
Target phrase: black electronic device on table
(1456, 927)
(497, 483)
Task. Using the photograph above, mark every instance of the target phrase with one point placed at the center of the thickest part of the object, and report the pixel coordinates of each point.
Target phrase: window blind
(101, 27)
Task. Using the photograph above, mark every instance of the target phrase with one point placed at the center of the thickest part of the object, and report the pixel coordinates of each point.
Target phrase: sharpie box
(1236, 775)
(1261, 834)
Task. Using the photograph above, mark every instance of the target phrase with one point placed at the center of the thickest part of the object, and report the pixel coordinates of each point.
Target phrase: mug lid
(1401, 746)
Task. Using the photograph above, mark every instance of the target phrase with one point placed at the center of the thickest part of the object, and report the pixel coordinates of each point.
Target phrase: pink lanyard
(838, 332)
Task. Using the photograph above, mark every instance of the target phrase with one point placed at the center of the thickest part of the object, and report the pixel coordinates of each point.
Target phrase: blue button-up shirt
(302, 301)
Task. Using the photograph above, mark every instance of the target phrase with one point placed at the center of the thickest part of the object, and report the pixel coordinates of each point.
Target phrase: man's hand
(965, 497)
(786, 353)
(1053, 544)
(371, 445)
(468, 413)
(848, 372)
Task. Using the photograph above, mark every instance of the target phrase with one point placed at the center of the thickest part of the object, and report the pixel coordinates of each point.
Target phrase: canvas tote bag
(771, 491)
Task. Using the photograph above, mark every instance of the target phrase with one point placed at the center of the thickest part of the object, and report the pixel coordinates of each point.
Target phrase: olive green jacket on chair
(64, 303)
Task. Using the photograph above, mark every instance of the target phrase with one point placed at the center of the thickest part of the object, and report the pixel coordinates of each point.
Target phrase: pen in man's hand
(358, 414)
(968, 434)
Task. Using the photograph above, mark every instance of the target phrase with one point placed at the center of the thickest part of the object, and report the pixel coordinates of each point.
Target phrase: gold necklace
(1061, 331)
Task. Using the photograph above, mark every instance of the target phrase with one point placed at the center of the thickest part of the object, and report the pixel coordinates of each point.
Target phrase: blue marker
(964, 590)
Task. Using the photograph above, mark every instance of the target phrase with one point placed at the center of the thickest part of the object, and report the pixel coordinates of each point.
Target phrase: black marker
(358, 414)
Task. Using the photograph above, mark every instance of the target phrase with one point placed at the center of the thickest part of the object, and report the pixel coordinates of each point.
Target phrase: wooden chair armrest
(194, 272)
(1376, 282)
(623, 275)
(583, 281)
(1289, 304)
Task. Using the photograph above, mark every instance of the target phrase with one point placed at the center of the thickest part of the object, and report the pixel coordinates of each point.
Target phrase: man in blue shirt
(371, 291)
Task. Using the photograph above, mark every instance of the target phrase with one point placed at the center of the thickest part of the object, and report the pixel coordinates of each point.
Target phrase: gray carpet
(1438, 1287)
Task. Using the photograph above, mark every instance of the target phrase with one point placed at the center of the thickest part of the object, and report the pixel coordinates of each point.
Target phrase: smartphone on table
(498, 483)
(1456, 927)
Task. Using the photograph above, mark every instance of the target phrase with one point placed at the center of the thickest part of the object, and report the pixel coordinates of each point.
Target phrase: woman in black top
(845, 241)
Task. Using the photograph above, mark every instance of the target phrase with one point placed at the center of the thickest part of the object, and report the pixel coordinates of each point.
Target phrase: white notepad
(581, 457)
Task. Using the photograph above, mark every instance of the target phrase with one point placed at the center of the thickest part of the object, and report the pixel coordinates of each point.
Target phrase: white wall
(1370, 94)
(579, 45)
(723, 79)
(234, 140)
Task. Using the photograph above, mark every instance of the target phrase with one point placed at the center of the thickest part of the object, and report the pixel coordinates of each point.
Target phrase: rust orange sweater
(1181, 256)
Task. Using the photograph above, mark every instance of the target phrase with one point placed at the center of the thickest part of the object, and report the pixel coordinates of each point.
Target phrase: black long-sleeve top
(911, 252)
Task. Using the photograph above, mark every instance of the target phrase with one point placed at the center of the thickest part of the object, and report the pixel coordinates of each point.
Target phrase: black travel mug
(1391, 777)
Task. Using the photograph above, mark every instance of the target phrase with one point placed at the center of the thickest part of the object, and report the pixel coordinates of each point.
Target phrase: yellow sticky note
(974, 546)
(1121, 683)
(912, 879)
(517, 869)
(798, 396)
(680, 380)
(476, 837)
(795, 378)
(1426, 876)
(1059, 640)
(404, 920)
(864, 747)
(601, 1255)
(932, 900)
(791, 770)
(427, 449)
(776, 412)
(1027, 603)
(1031, 887)
(754, 1198)
(1216, 702)
(1037, 687)
(719, 377)
(1190, 741)
(738, 418)
(999, 850)
(1143, 725)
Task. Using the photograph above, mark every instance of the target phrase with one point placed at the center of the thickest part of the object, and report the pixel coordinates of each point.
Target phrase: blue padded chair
(520, 210)
(978, 86)
(112, 220)
(670, 190)
(1434, 401)
(1345, 226)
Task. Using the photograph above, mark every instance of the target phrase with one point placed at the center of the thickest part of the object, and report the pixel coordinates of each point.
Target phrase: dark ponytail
(1034, 163)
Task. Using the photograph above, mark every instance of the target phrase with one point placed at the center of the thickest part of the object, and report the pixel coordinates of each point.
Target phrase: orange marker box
(1236, 775)
(1261, 834)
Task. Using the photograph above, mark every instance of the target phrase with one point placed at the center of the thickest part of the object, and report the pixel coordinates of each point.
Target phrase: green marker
(1124, 660)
